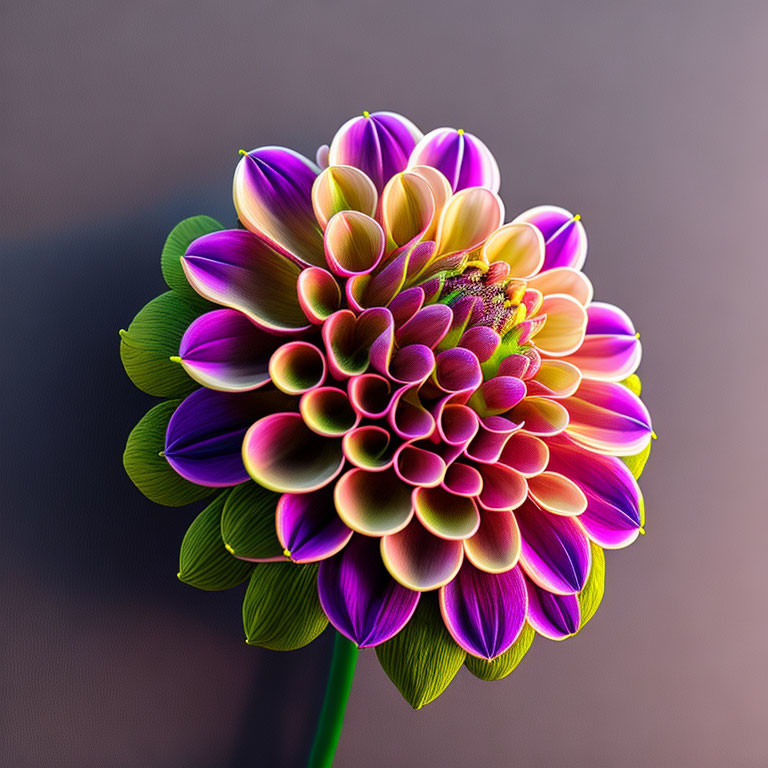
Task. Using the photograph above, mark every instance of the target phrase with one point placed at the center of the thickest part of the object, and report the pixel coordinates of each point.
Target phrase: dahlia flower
(414, 420)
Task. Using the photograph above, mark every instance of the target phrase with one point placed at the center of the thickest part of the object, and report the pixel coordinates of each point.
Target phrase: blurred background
(119, 119)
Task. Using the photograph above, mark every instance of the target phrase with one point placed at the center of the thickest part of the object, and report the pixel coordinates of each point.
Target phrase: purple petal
(359, 596)
(606, 318)
(612, 518)
(461, 157)
(308, 526)
(204, 439)
(379, 144)
(273, 198)
(233, 268)
(555, 550)
(552, 616)
(224, 350)
(564, 235)
(484, 612)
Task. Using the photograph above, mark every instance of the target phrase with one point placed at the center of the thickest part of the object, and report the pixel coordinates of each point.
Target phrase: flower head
(424, 427)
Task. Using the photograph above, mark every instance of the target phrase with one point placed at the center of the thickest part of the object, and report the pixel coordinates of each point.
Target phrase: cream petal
(557, 494)
(468, 218)
(354, 244)
(565, 326)
(407, 208)
(555, 378)
(521, 246)
(343, 188)
(444, 514)
(495, 547)
(564, 280)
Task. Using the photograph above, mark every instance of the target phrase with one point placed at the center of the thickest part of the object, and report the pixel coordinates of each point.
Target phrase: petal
(408, 417)
(360, 598)
(370, 395)
(612, 518)
(564, 234)
(555, 550)
(419, 467)
(272, 190)
(607, 357)
(297, 367)
(565, 326)
(485, 612)
(462, 480)
(373, 503)
(555, 378)
(607, 318)
(281, 453)
(457, 370)
(495, 547)
(349, 339)
(378, 144)
(308, 526)
(342, 188)
(552, 616)
(233, 268)
(354, 243)
(492, 435)
(521, 246)
(468, 218)
(527, 454)
(540, 416)
(319, 294)
(497, 395)
(327, 411)
(369, 447)
(407, 208)
(441, 192)
(557, 494)
(205, 434)
(224, 350)
(481, 340)
(444, 514)
(503, 488)
(428, 326)
(564, 280)
(457, 424)
(608, 418)
(420, 561)
(461, 157)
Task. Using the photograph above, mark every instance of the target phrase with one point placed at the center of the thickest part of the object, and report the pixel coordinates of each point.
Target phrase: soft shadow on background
(119, 119)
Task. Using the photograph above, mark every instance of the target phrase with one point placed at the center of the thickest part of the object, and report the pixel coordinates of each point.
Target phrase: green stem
(335, 702)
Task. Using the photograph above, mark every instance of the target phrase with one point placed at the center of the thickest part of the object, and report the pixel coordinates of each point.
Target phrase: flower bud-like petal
(564, 235)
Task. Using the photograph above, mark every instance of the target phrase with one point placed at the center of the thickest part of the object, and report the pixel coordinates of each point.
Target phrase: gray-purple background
(119, 118)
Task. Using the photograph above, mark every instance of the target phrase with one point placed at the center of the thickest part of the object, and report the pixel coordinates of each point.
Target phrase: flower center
(501, 304)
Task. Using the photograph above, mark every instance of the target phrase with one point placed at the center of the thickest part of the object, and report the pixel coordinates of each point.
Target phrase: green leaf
(633, 384)
(148, 468)
(248, 522)
(203, 561)
(422, 659)
(152, 338)
(502, 665)
(637, 462)
(592, 594)
(281, 609)
(176, 246)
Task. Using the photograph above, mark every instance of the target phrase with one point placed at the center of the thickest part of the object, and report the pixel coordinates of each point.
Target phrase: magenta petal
(359, 596)
(552, 616)
(224, 350)
(204, 439)
(612, 518)
(489, 442)
(379, 144)
(484, 612)
(308, 527)
(555, 550)
(609, 319)
(607, 417)
(427, 326)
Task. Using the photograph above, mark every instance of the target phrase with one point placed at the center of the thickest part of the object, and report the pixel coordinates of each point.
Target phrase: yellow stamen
(460, 131)
(366, 113)
(642, 531)
(654, 435)
(481, 265)
(287, 552)
(577, 217)
(229, 549)
(161, 454)
(175, 359)
(242, 152)
(637, 335)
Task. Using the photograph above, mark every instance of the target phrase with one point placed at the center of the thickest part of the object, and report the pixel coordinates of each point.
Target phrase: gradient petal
(360, 598)
(444, 514)
(309, 528)
(468, 218)
(555, 549)
(485, 612)
(553, 616)
(495, 547)
(342, 188)
(564, 234)
(354, 243)
(521, 246)
(272, 191)
(233, 268)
